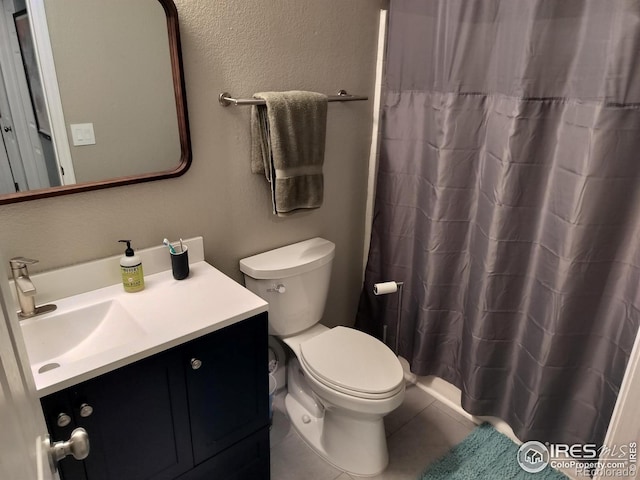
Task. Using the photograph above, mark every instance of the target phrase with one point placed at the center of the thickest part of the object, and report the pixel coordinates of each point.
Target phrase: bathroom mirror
(91, 96)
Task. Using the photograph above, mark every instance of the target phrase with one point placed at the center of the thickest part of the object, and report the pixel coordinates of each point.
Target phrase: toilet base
(368, 437)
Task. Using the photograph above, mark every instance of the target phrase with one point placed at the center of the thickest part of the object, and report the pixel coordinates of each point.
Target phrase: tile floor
(420, 431)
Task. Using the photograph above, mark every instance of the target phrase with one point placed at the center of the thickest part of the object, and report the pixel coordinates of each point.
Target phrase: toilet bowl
(340, 382)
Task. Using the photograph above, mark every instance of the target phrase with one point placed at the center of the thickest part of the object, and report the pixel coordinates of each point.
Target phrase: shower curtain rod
(226, 99)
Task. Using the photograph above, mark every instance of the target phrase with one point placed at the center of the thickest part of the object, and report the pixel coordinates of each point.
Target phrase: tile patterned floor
(418, 432)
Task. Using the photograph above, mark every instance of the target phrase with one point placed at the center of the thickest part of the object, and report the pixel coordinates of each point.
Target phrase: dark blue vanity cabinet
(198, 411)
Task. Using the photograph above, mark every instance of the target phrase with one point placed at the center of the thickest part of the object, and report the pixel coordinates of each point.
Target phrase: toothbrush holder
(180, 262)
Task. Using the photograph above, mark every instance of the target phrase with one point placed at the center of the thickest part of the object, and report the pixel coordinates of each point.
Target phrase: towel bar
(226, 99)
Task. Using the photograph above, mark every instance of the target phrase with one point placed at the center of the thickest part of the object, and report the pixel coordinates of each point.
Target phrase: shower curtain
(508, 202)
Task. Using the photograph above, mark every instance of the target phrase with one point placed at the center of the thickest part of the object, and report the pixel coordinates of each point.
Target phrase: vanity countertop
(168, 311)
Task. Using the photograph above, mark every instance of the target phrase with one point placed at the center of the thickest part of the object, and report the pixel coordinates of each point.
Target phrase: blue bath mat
(485, 454)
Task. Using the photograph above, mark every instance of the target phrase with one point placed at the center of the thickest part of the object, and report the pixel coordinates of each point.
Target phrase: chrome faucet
(25, 289)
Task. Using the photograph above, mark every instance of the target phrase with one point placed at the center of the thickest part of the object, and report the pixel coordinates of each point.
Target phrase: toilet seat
(353, 363)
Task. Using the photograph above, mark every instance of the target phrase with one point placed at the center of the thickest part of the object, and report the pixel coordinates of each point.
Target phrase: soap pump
(131, 270)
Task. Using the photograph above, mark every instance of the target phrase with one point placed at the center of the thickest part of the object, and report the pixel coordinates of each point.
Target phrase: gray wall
(240, 47)
(134, 117)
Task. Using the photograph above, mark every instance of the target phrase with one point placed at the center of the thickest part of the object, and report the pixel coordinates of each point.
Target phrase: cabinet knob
(86, 410)
(63, 420)
(195, 363)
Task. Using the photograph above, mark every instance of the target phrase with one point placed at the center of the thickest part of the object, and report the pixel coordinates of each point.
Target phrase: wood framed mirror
(92, 96)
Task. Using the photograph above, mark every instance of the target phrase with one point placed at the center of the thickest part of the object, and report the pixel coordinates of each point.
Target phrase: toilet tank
(294, 280)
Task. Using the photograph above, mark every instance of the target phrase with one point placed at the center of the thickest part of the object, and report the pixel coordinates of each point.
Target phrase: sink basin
(73, 334)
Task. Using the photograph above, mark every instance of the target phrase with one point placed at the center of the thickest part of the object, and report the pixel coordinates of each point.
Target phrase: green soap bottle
(131, 270)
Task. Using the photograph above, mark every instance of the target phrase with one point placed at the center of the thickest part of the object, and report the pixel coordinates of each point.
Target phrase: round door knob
(86, 410)
(195, 363)
(77, 446)
(63, 420)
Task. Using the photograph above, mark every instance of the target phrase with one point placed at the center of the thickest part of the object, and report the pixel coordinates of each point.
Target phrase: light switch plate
(83, 134)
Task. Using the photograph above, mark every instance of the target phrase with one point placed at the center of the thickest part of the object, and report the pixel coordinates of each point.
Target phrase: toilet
(340, 382)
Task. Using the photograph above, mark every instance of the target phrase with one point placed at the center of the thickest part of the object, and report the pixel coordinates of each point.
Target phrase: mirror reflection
(87, 93)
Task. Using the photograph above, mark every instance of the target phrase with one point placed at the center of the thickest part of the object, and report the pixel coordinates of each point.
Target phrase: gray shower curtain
(508, 201)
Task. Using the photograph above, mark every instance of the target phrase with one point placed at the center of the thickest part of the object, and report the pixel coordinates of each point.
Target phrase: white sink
(97, 331)
(74, 334)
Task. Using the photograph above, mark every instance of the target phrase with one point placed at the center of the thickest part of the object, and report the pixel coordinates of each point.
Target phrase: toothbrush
(166, 243)
(181, 246)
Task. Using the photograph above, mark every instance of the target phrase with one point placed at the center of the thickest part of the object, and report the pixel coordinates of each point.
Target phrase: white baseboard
(451, 396)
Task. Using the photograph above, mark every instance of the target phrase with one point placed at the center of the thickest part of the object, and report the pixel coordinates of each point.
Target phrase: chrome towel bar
(226, 99)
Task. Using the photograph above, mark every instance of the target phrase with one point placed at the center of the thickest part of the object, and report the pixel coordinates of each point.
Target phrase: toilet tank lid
(290, 260)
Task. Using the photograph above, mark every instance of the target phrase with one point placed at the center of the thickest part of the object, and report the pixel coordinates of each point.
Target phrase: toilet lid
(352, 360)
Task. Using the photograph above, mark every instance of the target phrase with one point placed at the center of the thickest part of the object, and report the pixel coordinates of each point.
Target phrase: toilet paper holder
(385, 288)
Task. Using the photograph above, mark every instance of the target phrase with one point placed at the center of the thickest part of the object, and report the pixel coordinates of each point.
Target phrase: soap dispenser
(131, 270)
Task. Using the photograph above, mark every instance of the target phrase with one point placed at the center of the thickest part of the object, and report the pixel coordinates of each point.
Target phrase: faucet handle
(21, 262)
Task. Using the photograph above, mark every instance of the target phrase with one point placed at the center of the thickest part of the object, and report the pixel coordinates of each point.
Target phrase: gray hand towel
(288, 137)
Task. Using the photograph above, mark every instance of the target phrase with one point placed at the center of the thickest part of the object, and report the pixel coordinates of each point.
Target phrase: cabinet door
(139, 428)
(227, 385)
(246, 460)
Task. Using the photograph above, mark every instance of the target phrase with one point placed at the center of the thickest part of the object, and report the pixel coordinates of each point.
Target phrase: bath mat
(485, 454)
